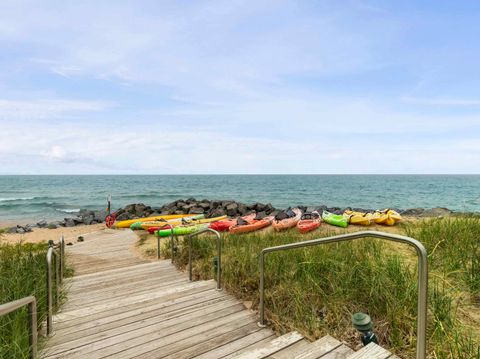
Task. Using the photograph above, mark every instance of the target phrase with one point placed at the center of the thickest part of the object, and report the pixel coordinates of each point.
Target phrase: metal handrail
(219, 254)
(59, 271)
(422, 275)
(32, 314)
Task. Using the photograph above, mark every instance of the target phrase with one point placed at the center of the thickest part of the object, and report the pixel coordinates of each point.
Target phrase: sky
(188, 87)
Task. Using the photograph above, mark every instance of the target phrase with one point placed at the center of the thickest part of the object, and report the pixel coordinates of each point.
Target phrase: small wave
(13, 199)
(65, 210)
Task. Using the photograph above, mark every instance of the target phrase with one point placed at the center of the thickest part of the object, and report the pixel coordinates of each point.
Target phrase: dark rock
(12, 230)
(269, 208)
(42, 224)
(216, 204)
(302, 208)
(196, 210)
(217, 212)
(259, 207)
(99, 216)
(27, 228)
(69, 222)
(191, 200)
(80, 239)
(274, 212)
(77, 220)
(177, 212)
(130, 208)
(122, 217)
(225, 203)
(20, 230)
(204, 205)
(242, 209)
(52, 226)
(320, 209)
(437, 212)
(310, 209)
(413, 212)
(88, 220)
(232, 209)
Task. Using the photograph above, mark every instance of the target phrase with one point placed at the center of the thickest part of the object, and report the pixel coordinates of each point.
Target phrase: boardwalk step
(272, 347)
(371, 351)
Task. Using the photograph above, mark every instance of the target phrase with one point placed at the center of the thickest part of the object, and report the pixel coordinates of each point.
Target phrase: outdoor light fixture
(363, 323)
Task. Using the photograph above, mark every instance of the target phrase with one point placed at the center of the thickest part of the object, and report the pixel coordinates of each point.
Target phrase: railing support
(422, 275)
(59, 260)
(171, 240)
(32, 321)
(219, 254)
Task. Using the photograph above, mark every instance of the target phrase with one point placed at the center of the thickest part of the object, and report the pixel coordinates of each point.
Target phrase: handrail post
(219, 254)
(422, 275)
(50, 253)
(31, 301)
(62, 258)
(32, 323)
(171, 239)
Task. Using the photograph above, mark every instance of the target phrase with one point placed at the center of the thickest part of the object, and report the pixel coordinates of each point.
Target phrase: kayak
(173, 222)
(281, 224)
(181, 230)
(185, 222)
(251, 225)
(387, 217)
(225, 224)
(309, 222)
(364, 219)
(335, 219)
(127, 223)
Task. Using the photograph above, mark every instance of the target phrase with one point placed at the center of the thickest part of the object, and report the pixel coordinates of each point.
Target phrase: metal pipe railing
(219, 254)
(32, 315)
(422, 275)
(59, 261)
(171, 240)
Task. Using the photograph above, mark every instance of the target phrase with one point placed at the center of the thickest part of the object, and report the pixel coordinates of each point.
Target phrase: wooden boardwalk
(121, 306)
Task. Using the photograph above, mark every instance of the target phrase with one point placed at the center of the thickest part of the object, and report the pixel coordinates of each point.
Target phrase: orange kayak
(281, 224)
(251, 225)
(309, 222)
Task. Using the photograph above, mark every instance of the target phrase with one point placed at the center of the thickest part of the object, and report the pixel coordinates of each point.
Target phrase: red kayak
(251, 224)
(309, 222)
(223, 225)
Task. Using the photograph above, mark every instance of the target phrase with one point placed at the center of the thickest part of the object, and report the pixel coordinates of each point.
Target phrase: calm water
(37, 197)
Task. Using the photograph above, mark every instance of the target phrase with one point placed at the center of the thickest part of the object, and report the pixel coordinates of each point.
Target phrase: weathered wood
(311, 351)
(120, 306)
(342, 352)
(371, 351)
(274, 346)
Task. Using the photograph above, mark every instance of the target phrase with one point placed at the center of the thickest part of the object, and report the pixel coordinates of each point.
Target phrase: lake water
(38, 197)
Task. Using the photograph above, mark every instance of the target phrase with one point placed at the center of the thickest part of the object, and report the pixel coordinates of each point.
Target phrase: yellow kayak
(387, 217)
(179, 222)
(127, 223)
(360, 218)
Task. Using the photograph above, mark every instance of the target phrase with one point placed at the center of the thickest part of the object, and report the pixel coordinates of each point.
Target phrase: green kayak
(335, 219)
(181, 231)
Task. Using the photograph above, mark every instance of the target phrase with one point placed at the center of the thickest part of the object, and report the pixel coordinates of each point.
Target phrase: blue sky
(233, 86)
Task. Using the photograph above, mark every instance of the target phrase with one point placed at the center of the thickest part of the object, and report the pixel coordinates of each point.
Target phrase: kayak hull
(280, 225)
(308, 225)
(127, 223)
(335, 219)
(253, 226)
(181, 231)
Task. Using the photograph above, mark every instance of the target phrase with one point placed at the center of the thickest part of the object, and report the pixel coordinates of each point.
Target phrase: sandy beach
(44, 234)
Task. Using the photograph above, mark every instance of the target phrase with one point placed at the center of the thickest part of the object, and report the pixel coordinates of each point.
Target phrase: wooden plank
(371, 351)
(140, 331)
(214, 343)
(110, 322)
(274, 346)
(164, 301)
(313, 350)
(258, 344)
(131, 343)
(342, 352)
(72, 314)
(119, 270)
(262, 336)
(202, 341)
(291, 351)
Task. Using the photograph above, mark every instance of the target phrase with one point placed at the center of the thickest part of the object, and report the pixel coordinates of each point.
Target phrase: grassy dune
(22, 273)
(316, 290)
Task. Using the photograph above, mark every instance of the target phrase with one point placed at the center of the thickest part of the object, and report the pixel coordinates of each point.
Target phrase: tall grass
(22, 273)
(317, 289)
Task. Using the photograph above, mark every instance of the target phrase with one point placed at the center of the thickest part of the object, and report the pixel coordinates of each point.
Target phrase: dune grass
(316, 290)
(22, 273)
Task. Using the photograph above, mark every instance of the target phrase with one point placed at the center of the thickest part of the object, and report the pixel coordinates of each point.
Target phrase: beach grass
(316, 290)
(22, 273)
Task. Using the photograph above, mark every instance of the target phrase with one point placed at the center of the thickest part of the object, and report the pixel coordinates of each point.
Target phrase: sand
(44, 234)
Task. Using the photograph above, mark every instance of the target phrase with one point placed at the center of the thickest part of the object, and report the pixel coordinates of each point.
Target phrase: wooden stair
(121, 306)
